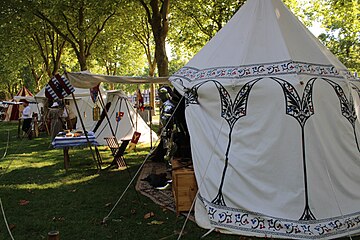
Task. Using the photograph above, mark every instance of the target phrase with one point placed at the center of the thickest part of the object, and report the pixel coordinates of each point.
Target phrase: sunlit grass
(38, 195)
(56, 184)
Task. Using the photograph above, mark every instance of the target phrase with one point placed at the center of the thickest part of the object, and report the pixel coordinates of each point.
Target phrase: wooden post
(106, 114)
(98, 166)
(152, 99)
(53, 235)
(85, 132)
(67, 119)
(19, 127)
(36, 127)
(150, 112)
(66, 158)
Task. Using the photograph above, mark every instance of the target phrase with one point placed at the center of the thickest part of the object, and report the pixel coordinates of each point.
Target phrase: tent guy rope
(6, 223)
(7, 145)
(200, 185)
(141, 166)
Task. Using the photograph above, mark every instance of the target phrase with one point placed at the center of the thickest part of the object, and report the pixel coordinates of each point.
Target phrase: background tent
(14, 110)
(84, 102)
(129, 123)
(273, 118)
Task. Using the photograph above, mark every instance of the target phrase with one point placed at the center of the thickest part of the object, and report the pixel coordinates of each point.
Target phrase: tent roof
(88, 80)
(79, 92)
(262, 38)
(24, 92)
(28, 98)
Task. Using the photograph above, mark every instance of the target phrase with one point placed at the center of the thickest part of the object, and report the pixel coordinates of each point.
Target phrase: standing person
(71, 118)
(54, 116)
(26, 116)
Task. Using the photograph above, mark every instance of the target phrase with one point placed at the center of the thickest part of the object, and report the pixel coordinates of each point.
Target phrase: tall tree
(50, 46)
(157, 12)
(340, 19)
(15, 50)
(195, 22)
(32, 41)
(78, 22)
(141, 32)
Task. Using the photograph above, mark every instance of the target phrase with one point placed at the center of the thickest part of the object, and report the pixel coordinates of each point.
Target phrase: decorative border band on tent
(256, 223)
(277, 68)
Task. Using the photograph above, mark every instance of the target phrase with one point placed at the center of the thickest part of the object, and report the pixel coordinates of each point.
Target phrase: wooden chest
(184, 186)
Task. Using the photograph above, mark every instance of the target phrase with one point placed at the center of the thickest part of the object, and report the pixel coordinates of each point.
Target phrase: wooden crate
(184, 186)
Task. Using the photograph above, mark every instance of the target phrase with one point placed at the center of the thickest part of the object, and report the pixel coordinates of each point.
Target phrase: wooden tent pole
(106, 114)
(150, 127)
(152, 109)
(67, 119)
(83, 127)
(85, 132)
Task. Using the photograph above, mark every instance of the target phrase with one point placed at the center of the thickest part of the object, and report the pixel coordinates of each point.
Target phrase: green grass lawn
(39, 196)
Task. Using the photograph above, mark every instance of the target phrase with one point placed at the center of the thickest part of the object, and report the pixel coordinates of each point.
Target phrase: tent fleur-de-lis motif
(231, 112)
(191, 96)
(301, 109)
(347, 105)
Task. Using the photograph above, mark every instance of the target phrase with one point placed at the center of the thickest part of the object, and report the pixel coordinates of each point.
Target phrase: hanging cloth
(119, 116)
(96, 113)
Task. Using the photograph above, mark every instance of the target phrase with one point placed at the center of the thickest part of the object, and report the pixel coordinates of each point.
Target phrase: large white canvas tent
(274, 124)
(84, 102)
(130, 122)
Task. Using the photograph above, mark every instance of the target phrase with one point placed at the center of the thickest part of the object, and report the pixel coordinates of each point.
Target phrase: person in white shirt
(26, 116)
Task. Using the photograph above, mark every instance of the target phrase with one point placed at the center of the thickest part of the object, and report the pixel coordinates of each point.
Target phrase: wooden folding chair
(117, 151)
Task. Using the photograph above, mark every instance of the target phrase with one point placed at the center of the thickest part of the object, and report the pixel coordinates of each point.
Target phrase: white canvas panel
(130, 122)
(84, 102)
(265, 174)
(274, 123)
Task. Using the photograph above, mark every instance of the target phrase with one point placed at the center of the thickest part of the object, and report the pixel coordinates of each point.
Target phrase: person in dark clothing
(26, 116)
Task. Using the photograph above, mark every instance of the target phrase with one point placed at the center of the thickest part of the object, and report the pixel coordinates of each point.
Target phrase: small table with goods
(74, 139)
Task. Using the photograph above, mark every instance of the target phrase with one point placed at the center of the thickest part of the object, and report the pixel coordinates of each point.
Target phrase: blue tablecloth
(62, 142)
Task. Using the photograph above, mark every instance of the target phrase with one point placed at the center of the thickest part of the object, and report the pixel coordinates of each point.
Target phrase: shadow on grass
(77, 209)
(38, 195)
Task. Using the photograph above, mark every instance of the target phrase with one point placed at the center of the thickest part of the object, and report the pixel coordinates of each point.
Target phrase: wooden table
(67, 142)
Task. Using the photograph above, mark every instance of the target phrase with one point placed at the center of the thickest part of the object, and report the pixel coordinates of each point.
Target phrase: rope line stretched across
(12, 160)
(3, 174)
(7, 145)
(6, 223)
(200, 185)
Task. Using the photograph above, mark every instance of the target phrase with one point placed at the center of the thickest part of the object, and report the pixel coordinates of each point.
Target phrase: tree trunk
(82, 62)
(161, 57)
(158, 19)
